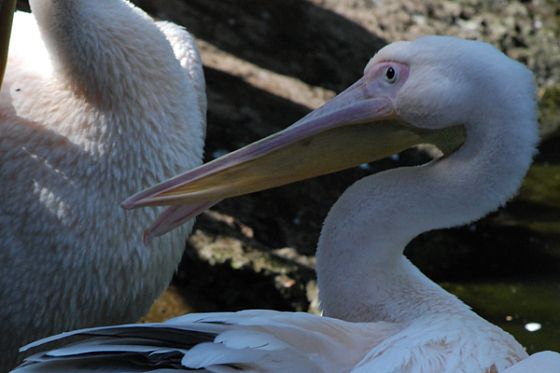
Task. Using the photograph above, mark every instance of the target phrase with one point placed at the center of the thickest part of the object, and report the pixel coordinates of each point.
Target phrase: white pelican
(97, 102)
(380, 313)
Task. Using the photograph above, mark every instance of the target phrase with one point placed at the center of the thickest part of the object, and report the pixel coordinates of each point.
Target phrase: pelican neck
(362, 272)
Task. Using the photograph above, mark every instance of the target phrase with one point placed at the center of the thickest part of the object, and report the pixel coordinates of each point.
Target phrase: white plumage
(272, 341)
(97, 101)
(380, 313)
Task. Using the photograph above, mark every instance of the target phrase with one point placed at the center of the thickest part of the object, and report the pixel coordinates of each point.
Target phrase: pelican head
(439, 90)
(451, 81)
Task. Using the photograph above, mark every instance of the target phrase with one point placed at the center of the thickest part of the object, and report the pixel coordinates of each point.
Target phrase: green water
(516, 306)
(527, 296)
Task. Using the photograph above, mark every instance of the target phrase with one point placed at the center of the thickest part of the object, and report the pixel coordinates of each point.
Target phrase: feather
(252, 340)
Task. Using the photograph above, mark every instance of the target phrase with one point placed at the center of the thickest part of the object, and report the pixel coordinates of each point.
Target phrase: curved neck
(362, 274)
(102, 50)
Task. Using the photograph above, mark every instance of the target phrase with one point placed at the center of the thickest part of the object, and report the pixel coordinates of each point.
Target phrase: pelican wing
(263, 341)
(219, 342)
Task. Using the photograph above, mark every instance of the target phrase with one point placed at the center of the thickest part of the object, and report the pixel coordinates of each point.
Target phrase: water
(523, 297)
(528, 309)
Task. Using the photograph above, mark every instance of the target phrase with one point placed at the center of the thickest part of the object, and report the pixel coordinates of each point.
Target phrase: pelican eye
(390, 74)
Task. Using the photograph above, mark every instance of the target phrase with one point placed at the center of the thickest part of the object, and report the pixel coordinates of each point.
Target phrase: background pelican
(382, 314)
(97, 101)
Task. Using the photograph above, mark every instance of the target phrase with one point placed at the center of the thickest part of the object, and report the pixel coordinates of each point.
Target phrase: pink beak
(359, 125)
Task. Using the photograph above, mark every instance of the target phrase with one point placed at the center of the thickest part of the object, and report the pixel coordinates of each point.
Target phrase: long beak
(7, 9)
(355, 127)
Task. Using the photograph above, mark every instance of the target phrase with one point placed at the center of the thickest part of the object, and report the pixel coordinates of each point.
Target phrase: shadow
(521, 210)
(23, 5)
(549, 151)
(480, 252)
(221, 285)
(239, 113)
(291, 37)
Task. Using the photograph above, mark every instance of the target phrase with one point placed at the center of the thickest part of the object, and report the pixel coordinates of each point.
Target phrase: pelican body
(97, 101)
(380, 313)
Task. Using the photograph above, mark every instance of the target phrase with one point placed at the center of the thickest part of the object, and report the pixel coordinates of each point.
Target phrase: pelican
(380, 313)
(97, 102)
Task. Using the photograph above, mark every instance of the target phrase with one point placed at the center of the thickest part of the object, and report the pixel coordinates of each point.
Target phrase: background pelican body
(97, 101)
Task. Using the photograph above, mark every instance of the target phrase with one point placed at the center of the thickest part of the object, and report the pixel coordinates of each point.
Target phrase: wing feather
(222, 342)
